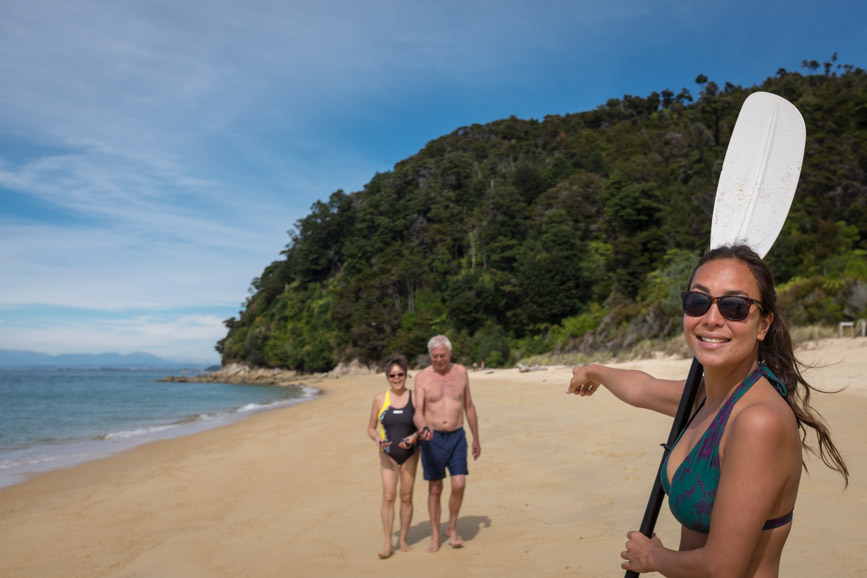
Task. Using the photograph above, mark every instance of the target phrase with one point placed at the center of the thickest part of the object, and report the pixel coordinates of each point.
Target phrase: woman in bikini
(396, 441)
(732, 477)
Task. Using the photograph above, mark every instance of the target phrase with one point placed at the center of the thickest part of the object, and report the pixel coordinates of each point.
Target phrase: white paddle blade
(759, 174)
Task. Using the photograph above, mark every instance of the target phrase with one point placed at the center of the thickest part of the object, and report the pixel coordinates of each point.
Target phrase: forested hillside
(575, 232)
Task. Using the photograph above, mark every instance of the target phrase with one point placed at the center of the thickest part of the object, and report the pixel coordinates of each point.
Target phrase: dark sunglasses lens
(734, 308)
(731, 307)
(393, 375)
(696, 304)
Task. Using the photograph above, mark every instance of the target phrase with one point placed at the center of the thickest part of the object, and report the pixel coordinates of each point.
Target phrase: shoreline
(560, 481)
(35, 447)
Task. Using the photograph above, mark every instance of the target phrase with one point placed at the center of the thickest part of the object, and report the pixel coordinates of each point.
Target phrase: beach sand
(296, 492)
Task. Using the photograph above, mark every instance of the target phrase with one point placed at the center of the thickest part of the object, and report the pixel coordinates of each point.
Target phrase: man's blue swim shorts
(446, 449)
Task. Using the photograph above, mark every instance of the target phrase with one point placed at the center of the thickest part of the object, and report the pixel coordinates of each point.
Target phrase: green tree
(549, 281)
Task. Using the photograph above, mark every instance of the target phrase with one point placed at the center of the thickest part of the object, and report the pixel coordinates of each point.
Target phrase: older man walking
(442, 397)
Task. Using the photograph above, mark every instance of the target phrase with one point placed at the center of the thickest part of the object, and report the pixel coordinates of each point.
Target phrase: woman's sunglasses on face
(732, 307)
(395, 375)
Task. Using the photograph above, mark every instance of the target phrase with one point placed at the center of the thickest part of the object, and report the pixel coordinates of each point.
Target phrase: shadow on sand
(468, 528)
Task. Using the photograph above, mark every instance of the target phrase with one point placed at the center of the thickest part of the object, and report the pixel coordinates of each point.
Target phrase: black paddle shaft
(687, 401)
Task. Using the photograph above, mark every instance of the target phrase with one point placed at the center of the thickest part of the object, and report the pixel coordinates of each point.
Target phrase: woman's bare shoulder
(764, 419)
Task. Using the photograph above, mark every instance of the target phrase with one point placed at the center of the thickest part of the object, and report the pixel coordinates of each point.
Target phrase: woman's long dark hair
(777, 352)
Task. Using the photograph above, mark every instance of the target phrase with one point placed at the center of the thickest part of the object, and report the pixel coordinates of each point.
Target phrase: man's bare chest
(444, 392)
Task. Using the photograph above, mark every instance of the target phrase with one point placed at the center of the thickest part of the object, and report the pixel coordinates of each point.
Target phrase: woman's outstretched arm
(634, 387)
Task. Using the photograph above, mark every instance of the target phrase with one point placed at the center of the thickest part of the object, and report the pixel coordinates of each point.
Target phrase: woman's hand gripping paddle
(756, 187)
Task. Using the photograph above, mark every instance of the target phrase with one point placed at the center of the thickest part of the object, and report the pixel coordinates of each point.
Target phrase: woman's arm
(634, 387)
(374, 421)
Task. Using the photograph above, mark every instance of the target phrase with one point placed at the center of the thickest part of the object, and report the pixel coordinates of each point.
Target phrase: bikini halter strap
(775, 381)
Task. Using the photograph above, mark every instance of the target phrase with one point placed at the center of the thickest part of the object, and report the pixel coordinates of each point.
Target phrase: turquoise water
(52, 419)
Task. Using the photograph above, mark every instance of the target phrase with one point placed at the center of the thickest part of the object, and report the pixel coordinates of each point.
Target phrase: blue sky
(154, 153)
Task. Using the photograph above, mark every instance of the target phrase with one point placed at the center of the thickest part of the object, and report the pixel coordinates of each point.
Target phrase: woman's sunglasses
(732, 307)
(394, 375)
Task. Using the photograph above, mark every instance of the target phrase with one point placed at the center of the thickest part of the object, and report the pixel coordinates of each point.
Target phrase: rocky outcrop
(354, 367)
(241, 373)
(246, 374)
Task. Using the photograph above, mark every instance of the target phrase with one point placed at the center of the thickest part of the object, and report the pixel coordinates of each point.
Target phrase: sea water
(52, 419)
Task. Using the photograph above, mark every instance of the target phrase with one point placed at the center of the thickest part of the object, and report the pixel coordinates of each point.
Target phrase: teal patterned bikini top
(693, 487)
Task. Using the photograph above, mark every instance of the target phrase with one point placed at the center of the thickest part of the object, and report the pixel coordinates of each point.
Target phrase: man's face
(440, 358)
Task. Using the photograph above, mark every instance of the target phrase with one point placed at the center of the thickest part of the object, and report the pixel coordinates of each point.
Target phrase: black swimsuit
(398, 424)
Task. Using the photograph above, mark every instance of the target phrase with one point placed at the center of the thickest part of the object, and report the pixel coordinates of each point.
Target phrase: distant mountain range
(139, 360)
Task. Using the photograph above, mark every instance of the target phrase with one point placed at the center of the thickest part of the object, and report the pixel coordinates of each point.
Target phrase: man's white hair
(439, 341)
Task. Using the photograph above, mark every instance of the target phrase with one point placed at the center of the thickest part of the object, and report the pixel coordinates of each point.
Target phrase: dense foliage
(572, 233)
